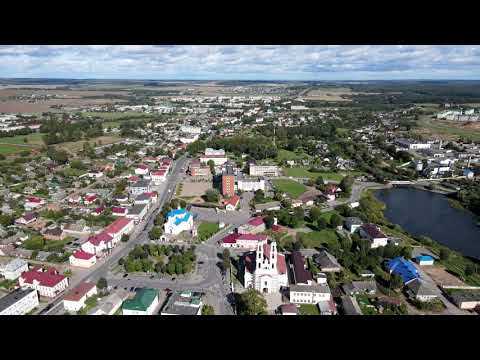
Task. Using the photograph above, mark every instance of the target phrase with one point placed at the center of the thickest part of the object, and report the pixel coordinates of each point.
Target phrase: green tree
(179, 268)
(211, 195)
(171, 268)
(102, 283)
(155, 233)
(226, 259)
(346, 184)
(445, 254)
(211, 165)
(259, 196)
(396, 281)
(315, 213)
(335, 220)
(269, 220)
(321, 224)
(470, 269)
(207, 310)
(251, 302)
(125, 238)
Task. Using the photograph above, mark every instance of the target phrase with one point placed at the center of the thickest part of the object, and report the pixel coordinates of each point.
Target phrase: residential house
(48, 281)
(119, 211)
(138, 212)
(139, 187)
(326, 262)
(350, 305)
(254, 226)
(142, 170)
(403, 268)
(309, 294)
(33, 202)
(20, 301)
(54, 234)
(360, 287)
(118, 228)
(244, 241)
(82, 259)
(89, 199)
(352, 224)
(420, 290)
(99, 244)
(27, 218)
(75, 299)
(159, 176)
(111, 304)
(373, 233)
(232, 203)
(13, 269)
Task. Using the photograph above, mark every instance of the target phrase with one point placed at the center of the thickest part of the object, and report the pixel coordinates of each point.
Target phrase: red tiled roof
(119, 210)
(256, 237)
(233, 200)
(34, 199)
(133, 178)
(79, 292)
(159, 172)
(151, 193)
(83, 255)
(278, 228)
(256, 221)
(49, 277)
(90, 197)
(117, 225)
(373, 231)
(102, 237)
(281, 264)
(231, 238)
(289, 308)
(100, 209)
(143, 167)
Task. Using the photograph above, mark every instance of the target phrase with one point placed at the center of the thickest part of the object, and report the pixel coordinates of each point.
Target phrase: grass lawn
(110, 124)
(289, 155)
(7, 149)
(304, 173)
(291, 187)
(364, 302)
(33, 139)
(316, 238)
(206, 229)
(78, 145)
(73, 172)
(309, 309)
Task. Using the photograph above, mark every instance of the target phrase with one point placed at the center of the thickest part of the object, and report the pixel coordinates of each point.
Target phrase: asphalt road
(140, 235)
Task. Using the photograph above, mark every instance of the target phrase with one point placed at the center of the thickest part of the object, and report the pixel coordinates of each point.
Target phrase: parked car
(125, 275)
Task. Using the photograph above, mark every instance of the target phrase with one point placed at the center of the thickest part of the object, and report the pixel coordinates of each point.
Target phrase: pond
(430, 214)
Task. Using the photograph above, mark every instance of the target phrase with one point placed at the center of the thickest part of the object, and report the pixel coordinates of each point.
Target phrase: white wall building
(265, 269)
(48, 282)
(13, 269)
(251, 184)
(19, 302)
(309, 294)
(178, 220)
(263, 170)
(75, 299)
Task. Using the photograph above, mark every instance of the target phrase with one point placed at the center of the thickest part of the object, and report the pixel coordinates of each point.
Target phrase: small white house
(75, 299)
(13, 269)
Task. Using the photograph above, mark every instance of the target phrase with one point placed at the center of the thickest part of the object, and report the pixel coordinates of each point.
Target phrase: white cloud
(254, 62)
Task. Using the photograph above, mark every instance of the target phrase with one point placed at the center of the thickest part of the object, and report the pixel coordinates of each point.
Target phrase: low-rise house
(54, 234)
(232, 203)
(89, 199)
(82, 259)
(269, 206)
(243, 241)
(137, 212)
(326, 262)
(100, 244)
(75, 299)
(373, 233)
(350, 305)
(424, 260)
(309, 294)
(288, 309)
(139, 187)
(119, 211)
(183, 303)
(111, 304)
(360, 287)
(159, 176)
(420, 290)
(48, 282)
(327, 307)
(121, 226)
(145, 302)
(33, 202)
(301, 276)
(141, 170)
(13, 269)
(27, 218)
(20, 301)
(78, 228)
(403, 268)
(352, 224)
(467, 299)
(253, 226)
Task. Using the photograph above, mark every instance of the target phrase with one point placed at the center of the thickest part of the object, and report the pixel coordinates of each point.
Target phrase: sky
(241, 62)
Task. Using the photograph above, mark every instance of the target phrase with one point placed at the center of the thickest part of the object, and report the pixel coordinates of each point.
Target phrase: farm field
(78, 145)
(291, 187)
(448, 130)
(33, 139)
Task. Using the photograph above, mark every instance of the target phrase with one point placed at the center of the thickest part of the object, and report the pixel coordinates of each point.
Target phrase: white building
(159, 176)
(141, 170)
(191, 129)
(309, 294)
(411, 145)
(218, 160)
(177, 221)
(49, 282)
(251, 184)
(352, 224)
(263, 170)
(373, 233)
(19, 302)
(214, 152)
(13, 269)
(82, 259)
(265, 269)
(75, 299)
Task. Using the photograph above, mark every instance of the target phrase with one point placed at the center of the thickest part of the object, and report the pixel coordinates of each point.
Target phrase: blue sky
(268, 62)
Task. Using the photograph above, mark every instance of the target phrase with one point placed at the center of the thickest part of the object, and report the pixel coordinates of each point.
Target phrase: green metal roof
(142, 300)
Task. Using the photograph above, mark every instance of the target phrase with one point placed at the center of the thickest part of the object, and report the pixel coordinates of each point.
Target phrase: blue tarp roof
(404, 268)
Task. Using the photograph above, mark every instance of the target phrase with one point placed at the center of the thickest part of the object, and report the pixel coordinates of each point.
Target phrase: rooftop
(11, 298)
(141, 301)
(79, 291)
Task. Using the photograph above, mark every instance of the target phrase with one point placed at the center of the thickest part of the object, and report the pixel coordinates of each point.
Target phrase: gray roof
(268, 205)
(141, 184)
(318, 288)
(13, 297)
(360, 287)
(326, 260)
(178, 305)
(353, 221)
(467, 295)
(14, 265)
(136, 209)
(419, 287)
(350, 306)
(142, 197)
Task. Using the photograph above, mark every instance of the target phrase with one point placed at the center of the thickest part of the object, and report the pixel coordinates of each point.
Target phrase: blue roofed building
(178, 220)
(423, 260)
(404, 268)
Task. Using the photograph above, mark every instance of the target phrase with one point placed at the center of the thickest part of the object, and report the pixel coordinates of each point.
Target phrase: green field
(206, 230)
(291, 187)
(33, 139)
(304, 173)
(289, 155)
(110, 124)
(6, 149)
(317, 238)
(448, 130)
(308, 309)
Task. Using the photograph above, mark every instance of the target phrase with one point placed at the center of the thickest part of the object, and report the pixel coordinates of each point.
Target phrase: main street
(139, 235)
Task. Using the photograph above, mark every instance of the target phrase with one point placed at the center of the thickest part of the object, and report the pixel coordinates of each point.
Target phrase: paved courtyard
(195, 188)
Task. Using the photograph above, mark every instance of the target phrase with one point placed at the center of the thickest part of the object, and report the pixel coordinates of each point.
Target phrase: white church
(178, 220)
(265, 269)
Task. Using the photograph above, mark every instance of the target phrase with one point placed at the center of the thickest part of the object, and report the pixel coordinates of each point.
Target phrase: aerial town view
(239, 180)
